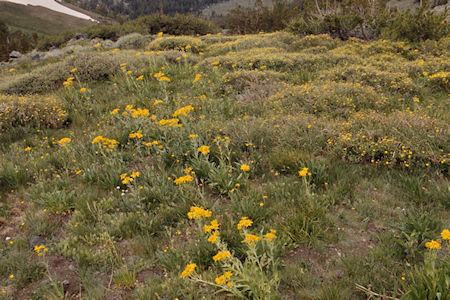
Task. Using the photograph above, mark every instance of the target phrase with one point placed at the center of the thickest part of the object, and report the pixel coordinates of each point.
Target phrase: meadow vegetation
(266, 166)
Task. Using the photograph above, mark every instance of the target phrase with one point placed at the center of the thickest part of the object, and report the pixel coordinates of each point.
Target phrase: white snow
(53, 5)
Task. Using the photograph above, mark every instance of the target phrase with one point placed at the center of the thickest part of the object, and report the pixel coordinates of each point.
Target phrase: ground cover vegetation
(265, 166)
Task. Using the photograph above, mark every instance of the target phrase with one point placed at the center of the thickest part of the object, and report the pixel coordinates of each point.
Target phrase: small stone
(15, 54)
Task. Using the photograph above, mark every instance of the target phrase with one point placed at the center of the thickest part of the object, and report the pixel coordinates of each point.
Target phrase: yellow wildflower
(28, 149)
(183, 111)
(198, 213)
(197, 77)
(115, 111)
(221, 255)
(193, 136)
(190, 268)
(244, 222)
(136, 135)
(183, 179)
(433, 245)
(445, 234)
(303, 172)
(271, 235)
(164, 78)
(251, 239)
(213, 237)
(203, 149)
(64, 141)
(169, 122)
(83, 90)
(213, 226)
(245, 168)
(221, 280)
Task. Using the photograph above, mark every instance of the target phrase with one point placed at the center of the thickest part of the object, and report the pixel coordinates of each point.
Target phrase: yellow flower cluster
(136, 135)
(223, 279)
(245, 168)
(251, 239)
(135, 113)
(304, 172)
(433, 245)
(198, 213)
(183, 111)
(203, 149)
(222, 255)
(68, 81)
(64, 141)
(213, 237)
(270, 235)
(197, 77)
(140, 112)
(34, 111)
(148, 144)
(214, 225)
(445, 234)
(169, 122)
(160, 76)
(244, 222)
(183, 179)
(190, 268)
(106, 143)
(127, 179)
(40, 250)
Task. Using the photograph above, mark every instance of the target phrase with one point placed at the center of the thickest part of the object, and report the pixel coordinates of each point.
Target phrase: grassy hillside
(262, 167)
(38, 19)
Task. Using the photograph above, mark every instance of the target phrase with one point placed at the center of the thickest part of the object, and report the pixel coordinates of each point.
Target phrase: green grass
(114, 203)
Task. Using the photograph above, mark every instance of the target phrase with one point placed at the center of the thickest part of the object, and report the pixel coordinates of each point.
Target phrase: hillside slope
(267, 166)
(38, 19)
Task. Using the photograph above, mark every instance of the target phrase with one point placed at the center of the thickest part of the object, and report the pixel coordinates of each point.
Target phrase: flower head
(245, 168)
(183, 179)
(64, 141)
(304, 172)
(433, 245)
(270, 235)
(198, 213)
(251, 239)
(244, 222)
(203, 149)
(214, 225)
(183, 111)
(190, 268)
(213, 237)
(221, 255)
(445, 234)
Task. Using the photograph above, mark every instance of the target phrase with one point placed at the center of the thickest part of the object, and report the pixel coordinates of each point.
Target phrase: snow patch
(53, 5)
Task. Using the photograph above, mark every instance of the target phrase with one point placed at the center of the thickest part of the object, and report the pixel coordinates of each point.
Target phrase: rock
(15, 54)
(36, 57)
(71, 42)
(81, 36)
(36, 240)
